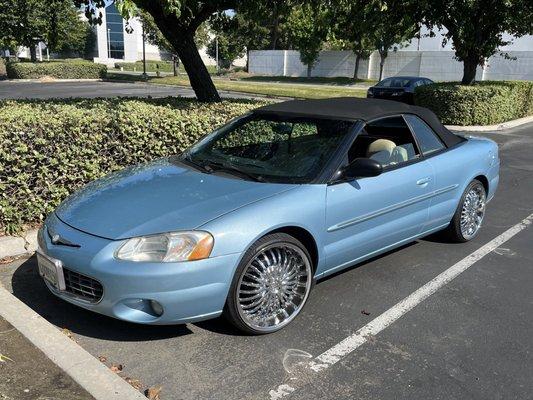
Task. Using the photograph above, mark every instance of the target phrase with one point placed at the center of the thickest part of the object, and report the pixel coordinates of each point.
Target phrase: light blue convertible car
(244, 222)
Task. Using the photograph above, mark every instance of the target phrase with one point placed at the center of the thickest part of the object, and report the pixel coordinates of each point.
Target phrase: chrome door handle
(423, 181)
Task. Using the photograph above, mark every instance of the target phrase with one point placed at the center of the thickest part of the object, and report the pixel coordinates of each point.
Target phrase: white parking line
(352, 342)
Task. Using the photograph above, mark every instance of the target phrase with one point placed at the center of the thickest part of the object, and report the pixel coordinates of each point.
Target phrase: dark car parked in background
(399, 88)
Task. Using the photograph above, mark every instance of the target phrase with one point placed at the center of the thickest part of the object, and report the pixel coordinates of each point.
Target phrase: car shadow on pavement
(438, 237)
(360, 264)
(28, 287)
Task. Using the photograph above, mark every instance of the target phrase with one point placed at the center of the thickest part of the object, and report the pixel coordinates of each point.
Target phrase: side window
(427, 139)
(388, 141)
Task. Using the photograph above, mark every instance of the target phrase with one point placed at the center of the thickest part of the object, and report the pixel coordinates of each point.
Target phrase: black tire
(453, 231)
(232, 310)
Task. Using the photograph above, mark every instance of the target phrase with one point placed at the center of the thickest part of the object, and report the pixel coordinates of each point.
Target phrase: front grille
(82, 286)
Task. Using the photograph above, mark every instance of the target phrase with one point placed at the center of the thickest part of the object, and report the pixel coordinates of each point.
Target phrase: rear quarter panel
(456, 168)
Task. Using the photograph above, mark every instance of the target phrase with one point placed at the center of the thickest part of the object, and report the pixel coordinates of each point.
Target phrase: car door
(448, 173)
(369, 215)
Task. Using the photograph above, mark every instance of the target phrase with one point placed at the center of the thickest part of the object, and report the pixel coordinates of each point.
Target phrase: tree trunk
(356, 68)
(33, 53)
(309, 69)
(469, 71)
(274, 34)
(201, 81)
(382, 58)
(274, 38)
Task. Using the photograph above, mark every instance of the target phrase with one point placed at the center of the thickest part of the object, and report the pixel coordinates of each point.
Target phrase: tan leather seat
(380, 145)
(381, 150)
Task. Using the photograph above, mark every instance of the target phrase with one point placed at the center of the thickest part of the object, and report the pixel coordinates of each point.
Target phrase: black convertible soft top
(352, 108)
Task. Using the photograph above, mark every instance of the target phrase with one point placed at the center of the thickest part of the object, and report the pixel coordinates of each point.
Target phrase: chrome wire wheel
(273, 287)
(473, 211)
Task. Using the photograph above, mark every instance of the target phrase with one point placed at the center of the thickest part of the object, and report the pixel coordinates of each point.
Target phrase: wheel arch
(484, 180)
(304, 236)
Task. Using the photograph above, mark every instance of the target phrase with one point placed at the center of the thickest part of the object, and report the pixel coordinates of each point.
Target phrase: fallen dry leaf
(370, 338)
(116, 368)
(5, 358)
(67, 332)
(137, 384)
(7, 260)
(153, 393)
(102, 358)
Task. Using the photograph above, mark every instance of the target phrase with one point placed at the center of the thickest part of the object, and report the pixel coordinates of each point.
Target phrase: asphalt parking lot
(470, 339)
(91, 89)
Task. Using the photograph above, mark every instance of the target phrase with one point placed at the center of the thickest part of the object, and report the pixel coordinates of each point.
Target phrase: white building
(115, 44)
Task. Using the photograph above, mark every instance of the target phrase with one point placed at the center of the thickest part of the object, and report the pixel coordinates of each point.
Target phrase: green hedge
(49, 149)
(151, 66)
(484, 103)
(56, 69)
(164, 66)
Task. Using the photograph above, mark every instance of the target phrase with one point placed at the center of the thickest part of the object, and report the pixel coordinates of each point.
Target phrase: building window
(115, 32)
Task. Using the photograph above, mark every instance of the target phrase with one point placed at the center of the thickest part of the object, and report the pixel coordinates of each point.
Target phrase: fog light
(156, 307)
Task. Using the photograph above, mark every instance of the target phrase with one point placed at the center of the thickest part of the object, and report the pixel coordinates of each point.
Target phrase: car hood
(158, 197)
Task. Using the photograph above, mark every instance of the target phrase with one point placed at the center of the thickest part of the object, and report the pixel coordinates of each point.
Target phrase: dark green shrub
(484, 103)
(49, 149)
(57, 69)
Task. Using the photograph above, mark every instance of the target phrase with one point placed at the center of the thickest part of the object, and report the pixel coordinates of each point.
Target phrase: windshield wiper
(230, 168)
(202, 167)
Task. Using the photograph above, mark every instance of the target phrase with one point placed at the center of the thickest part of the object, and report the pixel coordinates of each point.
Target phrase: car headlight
(167, 247)
(396, 93)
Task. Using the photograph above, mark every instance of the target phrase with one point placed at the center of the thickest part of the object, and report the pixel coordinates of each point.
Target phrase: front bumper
(187, 291)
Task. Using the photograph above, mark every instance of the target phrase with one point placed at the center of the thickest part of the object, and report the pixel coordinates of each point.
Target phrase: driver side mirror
(362, 168)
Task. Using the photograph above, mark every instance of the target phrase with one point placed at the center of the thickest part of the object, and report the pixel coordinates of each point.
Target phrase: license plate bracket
(51, 269)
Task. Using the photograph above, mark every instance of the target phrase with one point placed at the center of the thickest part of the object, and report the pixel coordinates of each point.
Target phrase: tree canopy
(56, 23)
(350, 26)
(393, 22)
(308, 29)
(272, 16)
(22, 23)
(230, 41)
(477, 27)
(67, 33)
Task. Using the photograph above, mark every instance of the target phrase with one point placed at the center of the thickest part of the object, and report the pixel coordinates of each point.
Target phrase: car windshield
(270, 149)
(395, 82)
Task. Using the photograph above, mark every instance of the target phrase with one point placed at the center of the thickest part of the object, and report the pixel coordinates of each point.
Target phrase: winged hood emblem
(59, 240)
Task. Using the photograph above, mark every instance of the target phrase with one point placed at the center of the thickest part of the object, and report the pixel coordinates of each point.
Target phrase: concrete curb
(489, 128)
(52, 80)
(87, 371)
(14, 246)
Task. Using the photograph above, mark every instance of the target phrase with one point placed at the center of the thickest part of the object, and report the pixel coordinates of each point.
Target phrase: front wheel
(469, 215)
(271, 285)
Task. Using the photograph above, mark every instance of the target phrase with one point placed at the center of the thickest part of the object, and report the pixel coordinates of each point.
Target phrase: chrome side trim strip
(392, 208)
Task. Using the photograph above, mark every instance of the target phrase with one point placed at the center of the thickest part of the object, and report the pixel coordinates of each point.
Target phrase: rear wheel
(469, 214)
(271, 285)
